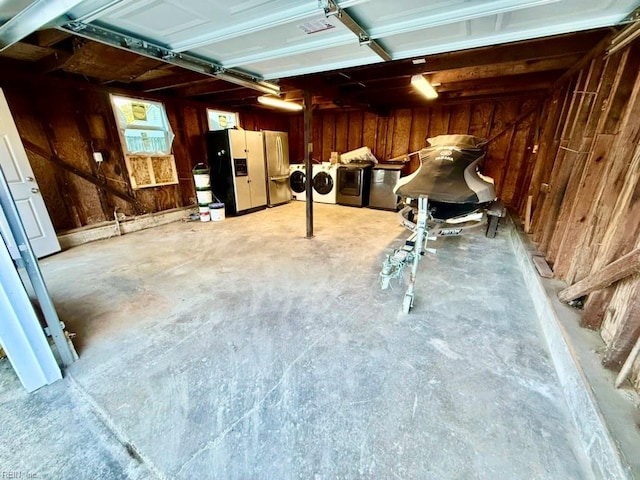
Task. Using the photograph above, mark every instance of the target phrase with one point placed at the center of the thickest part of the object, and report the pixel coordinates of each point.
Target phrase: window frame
(146, 169)
(225, 113)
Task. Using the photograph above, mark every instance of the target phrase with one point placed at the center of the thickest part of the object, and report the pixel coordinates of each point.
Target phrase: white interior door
(24, 189)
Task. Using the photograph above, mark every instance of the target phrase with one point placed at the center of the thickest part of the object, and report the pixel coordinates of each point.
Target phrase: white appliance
(297, 181)
(325, 177)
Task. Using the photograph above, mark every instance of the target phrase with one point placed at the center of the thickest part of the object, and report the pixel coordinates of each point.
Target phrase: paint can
(205, 197)
(216, 211)
(205, 214)
(201, 176)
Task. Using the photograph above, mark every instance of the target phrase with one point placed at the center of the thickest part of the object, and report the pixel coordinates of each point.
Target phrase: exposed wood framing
(75, 118)
(621, 326)
(615, 271)
(586, 194)
(406, 130)
(622, 231)
(86, 176)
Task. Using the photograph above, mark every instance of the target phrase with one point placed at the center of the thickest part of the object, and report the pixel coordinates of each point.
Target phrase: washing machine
(297, 181)
(325, 183)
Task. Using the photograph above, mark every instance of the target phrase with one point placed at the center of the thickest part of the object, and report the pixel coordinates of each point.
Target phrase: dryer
(354, 182)
(297, 181)
(325, 183)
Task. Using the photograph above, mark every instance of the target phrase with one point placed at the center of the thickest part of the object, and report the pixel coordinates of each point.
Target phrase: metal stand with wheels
(409, 253)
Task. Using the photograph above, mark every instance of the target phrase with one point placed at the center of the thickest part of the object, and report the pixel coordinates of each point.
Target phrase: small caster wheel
(407, 303)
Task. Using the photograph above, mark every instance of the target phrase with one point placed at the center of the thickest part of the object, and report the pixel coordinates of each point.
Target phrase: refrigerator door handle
(279, 178)
(280, 154)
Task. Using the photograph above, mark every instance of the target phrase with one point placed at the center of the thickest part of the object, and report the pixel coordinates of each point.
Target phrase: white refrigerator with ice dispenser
(276, 157)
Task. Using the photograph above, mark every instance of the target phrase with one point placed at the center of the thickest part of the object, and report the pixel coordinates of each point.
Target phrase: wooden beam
(492, 90)
(560, 45)
(14, 73)
(53, 62)
(178, 79)
(596, 51)
(101, 61)
(212, 86)
(49, 37)
(615, 271)
(505, 69)
(76, 171)
(374, 89)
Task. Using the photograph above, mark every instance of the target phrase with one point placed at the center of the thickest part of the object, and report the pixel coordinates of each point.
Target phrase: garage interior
(254, 348)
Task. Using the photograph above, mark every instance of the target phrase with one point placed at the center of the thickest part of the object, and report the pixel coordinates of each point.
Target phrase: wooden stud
(547, 155)
(576, 218)
(581, 147)
(621, 326)
(527, 217)
(560, 175)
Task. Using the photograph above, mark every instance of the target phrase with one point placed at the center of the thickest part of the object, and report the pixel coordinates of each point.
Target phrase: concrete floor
(242, 350)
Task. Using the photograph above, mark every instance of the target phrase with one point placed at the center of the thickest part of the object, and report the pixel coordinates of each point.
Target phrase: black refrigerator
(237, 169)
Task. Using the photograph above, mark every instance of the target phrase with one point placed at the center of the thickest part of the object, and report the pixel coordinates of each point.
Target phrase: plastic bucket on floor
(201, 176)
(216, 211)
(205, 197)
(205, 214)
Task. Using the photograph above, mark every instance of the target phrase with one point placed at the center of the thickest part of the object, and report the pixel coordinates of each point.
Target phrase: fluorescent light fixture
(277, 103)
(424, 87)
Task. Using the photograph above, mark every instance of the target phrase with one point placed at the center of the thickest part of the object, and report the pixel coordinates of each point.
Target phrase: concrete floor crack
(216, 441)
(105, 418)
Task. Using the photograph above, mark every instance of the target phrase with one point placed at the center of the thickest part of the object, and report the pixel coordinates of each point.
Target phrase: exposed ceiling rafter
(164, 54)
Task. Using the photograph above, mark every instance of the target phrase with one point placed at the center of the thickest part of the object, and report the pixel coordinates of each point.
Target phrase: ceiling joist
(160, 53)
(549, 47)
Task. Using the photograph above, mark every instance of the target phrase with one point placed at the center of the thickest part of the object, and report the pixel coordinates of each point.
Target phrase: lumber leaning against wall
(586, 191)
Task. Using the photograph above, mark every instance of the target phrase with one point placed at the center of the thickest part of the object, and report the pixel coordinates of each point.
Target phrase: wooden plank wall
(509, 159)
(72, 123)
(586, 191)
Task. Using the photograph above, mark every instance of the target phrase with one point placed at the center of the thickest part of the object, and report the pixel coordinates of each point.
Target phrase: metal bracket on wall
(331, 9)
(165, 54)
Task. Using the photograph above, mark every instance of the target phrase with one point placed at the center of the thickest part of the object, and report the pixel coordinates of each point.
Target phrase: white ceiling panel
(264, 38)
(283, 40)
(572, 15)
(511, 26)
(301, 64)
(419, 15)
(197, 23)
(169, 18)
